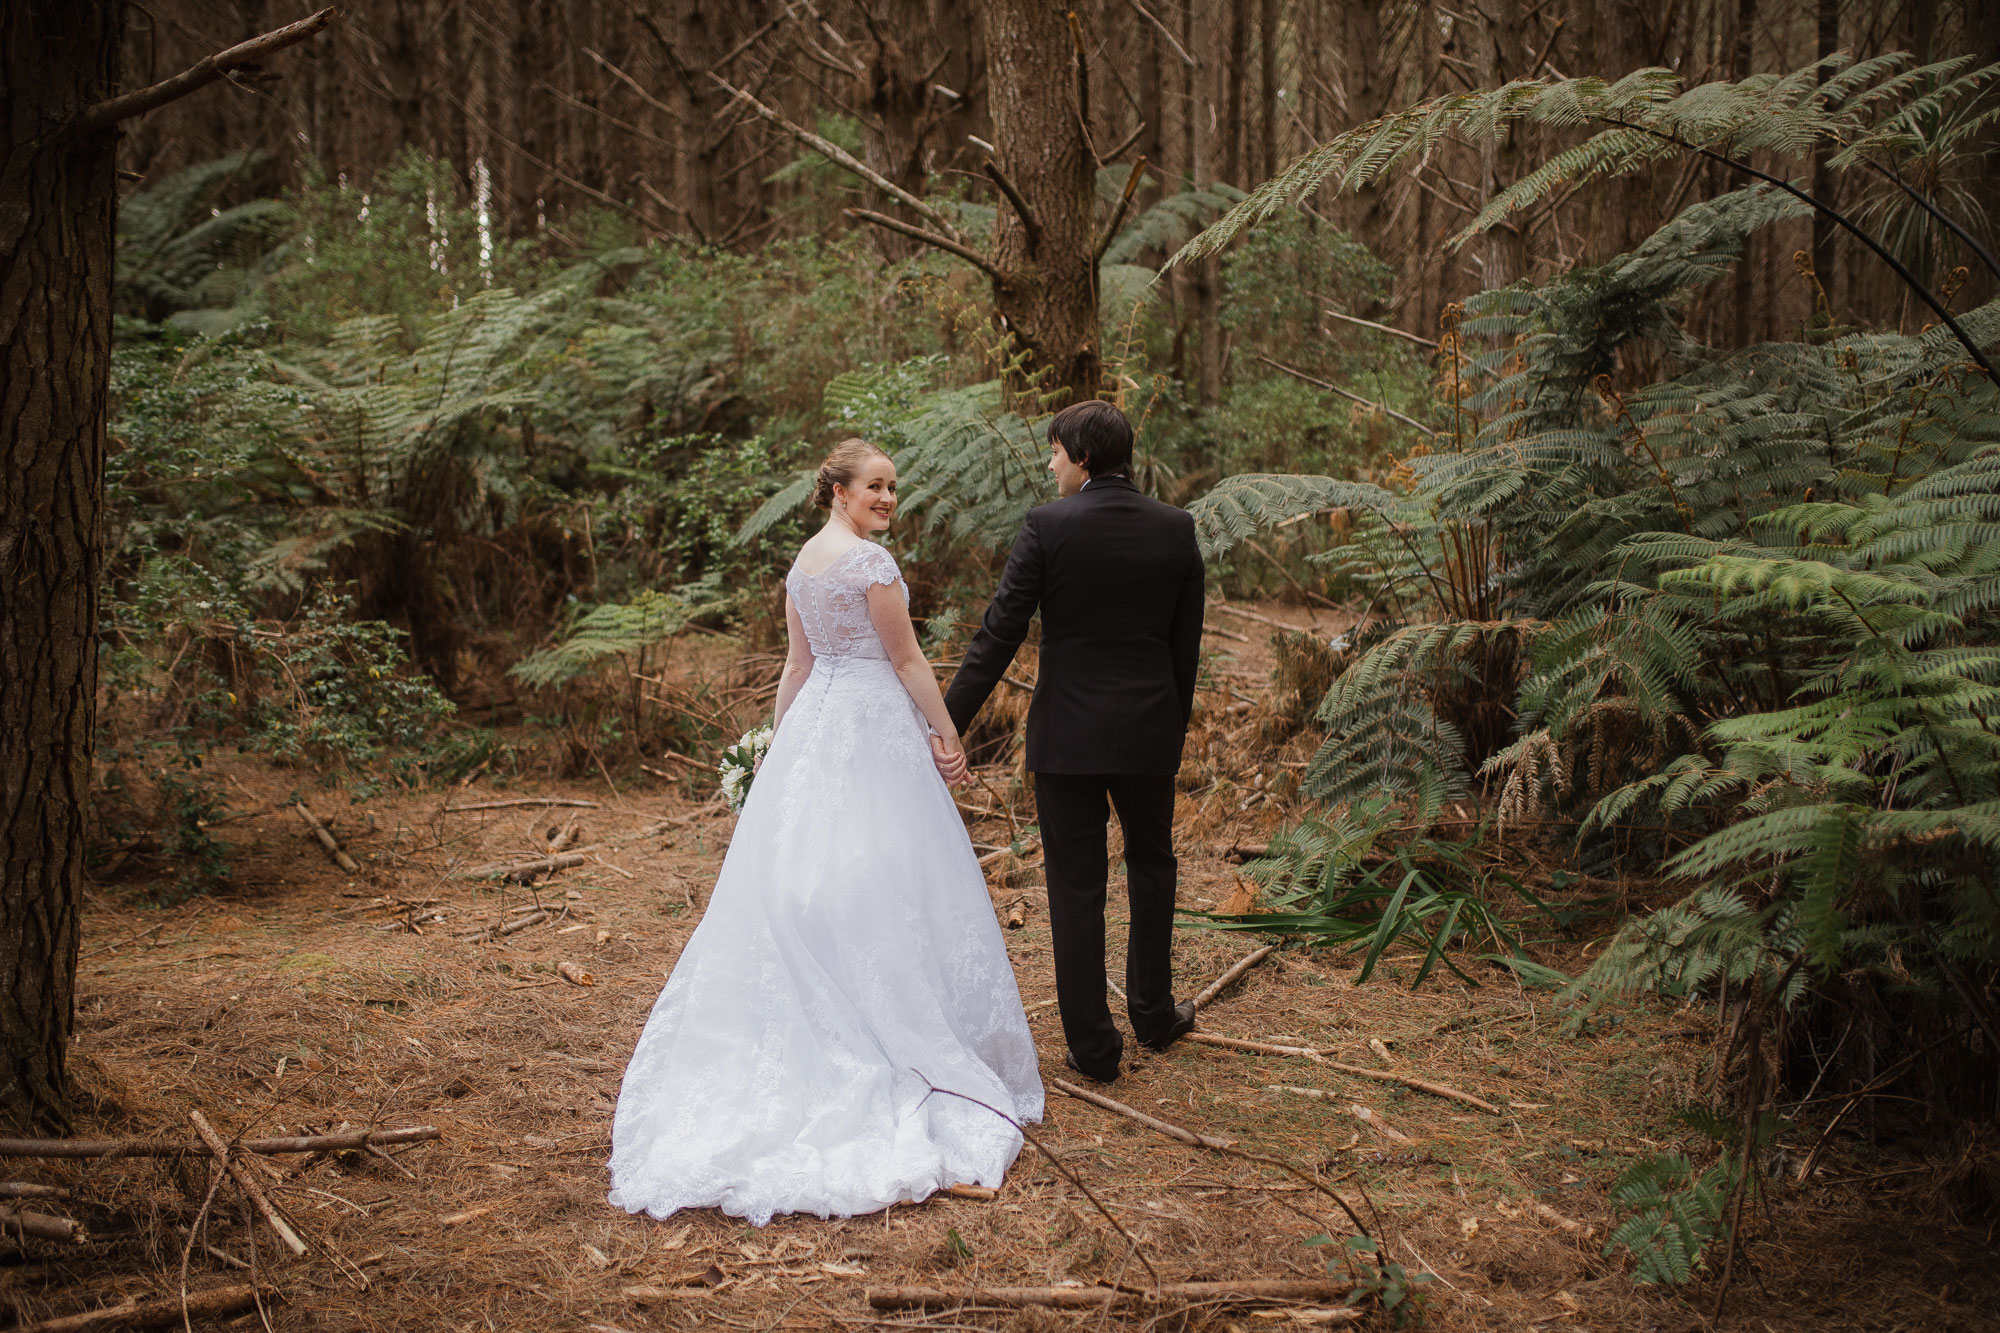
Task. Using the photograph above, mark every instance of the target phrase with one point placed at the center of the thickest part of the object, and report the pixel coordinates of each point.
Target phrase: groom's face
(1069, 476)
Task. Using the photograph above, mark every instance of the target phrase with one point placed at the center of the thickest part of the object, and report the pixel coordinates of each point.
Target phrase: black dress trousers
(1071, 808)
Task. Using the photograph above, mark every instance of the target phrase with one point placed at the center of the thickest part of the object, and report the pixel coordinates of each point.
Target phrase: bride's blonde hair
(841, 467)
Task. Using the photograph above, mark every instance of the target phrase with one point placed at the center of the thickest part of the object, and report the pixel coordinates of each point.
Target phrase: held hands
(949, 756)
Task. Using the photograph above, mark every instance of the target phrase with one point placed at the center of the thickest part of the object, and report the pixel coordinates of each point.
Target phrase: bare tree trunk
(905, 44)
(1745, 277)
(1048, 300)
(1267, 89)
(1233, 81)
(56, 58)
(1205, 282)
(1824, 183)
(1501, 59)
(1369, 79)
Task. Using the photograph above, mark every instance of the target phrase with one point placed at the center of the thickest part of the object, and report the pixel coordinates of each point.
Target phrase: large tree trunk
(1501, 59)
(1048, 300)
(1742, 58)
(905, 43)
(1824, 182)
(56, 235)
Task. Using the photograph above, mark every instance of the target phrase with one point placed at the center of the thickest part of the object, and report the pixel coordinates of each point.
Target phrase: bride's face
(870, 502)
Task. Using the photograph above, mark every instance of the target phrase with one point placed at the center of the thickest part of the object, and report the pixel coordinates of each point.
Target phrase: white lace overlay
(848, 962)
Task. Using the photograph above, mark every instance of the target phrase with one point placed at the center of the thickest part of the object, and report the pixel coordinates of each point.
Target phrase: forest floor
(304, 998)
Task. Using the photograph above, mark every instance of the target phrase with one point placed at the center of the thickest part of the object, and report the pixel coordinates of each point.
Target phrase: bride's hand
(950, 759)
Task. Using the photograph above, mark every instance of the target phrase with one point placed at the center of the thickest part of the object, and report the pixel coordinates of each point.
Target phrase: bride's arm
(798, 661)
(890, 612)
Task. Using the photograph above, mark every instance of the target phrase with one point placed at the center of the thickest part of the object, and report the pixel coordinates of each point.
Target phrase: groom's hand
(950, 760)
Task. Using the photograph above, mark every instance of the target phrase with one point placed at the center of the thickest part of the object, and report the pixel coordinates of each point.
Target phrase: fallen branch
(1380, 1075)
(520, 801)
(995, 855)
(326, 839)
(1259, 1047)
(1569, 1224)
(14, 1222)
(540, 865)
(241, 1175)
(1227, 1149)
(1253, 1291)
(19, 1189)
(1242, 965)
(1374, 1121)
(534, 918)
(1241, 852)
(1056, 1164)
(1258, 617)
(1187, 1136)
(214, 1303)
(337, 1142)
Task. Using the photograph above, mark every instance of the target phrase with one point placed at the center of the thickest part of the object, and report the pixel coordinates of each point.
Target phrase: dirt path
(303, 999)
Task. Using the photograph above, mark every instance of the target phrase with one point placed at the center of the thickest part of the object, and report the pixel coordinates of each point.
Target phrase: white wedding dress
(849, 962)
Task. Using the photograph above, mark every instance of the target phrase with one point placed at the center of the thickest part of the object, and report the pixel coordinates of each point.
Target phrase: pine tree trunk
(56, 235)
(1049, 299)
(1267, 89)
(892, 90)
(1742, 63)
(1501, 59)
(1824, 182)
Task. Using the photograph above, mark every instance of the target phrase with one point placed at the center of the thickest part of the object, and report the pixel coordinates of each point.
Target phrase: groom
(1118, 580)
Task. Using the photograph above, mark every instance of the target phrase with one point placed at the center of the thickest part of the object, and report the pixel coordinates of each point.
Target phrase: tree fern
(1867, 108)
(622, 631)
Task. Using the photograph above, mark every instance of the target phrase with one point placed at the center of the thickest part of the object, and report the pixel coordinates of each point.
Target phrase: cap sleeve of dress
(875, 565)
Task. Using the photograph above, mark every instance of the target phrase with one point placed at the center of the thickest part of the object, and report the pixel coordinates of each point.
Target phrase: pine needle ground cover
(298, 997)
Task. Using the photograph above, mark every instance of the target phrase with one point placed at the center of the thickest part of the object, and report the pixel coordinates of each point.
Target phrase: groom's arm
(1184, 637)
(1001, 632)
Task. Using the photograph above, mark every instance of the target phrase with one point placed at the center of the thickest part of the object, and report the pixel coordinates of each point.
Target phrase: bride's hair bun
(841, 467)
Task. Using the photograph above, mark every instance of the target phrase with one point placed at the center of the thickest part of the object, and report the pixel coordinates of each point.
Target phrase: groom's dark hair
(1096, 436)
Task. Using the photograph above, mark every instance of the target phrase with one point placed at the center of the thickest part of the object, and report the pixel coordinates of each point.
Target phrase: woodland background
(1611, 572)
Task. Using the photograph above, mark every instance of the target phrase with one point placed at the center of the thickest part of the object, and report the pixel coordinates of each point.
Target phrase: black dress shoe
(1182, 1025)
(1094, 1077)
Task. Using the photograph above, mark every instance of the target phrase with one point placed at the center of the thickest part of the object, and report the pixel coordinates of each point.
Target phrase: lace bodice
(833, 604)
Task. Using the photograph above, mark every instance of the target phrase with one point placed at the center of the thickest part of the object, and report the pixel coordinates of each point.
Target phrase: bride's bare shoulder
(820, 550)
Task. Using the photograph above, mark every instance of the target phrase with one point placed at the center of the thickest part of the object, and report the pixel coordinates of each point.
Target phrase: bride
(849, 961)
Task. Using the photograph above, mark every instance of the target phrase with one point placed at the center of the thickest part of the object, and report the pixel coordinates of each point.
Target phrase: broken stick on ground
(326, 840)
(339, 1141)
(1253, 1291)
(1221, 983)
(211, 1304)
(15, 1222)
(1186, 1136)
(241, 1175)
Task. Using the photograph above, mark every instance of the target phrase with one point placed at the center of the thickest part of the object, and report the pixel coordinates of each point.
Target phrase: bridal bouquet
(739, 766)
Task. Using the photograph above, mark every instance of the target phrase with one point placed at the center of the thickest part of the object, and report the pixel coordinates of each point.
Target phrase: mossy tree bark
(57, 58)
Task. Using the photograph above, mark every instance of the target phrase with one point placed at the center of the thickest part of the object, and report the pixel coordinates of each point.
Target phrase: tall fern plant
(1753, 595)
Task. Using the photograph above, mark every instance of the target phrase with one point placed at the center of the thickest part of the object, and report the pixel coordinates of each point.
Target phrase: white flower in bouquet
(739, 766)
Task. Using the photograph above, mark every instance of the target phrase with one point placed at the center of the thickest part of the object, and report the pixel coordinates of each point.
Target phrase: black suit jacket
(1118, 579)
